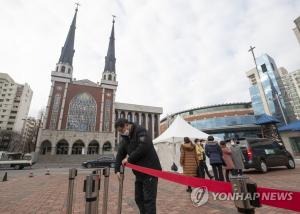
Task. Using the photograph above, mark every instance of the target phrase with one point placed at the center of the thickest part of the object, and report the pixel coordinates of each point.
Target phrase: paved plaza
(47, 193)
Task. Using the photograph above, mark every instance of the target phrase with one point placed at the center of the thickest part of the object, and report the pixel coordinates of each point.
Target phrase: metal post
(98, 172)
(105, 193)
(91, 185)
(120, 198)
(72, 175)
(241, 199)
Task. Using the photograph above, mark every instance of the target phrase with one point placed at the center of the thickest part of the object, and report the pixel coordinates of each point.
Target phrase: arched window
(77, 148)
(136, 118)
(63, 68)
(143, 120)
(150, 124)
(93, 148)
(122, 115)
(106, 147)
(109, 77)
(55, 110)
(62, 147)
(69, 70)
(129, 117)
(45, 147)
(82, 113)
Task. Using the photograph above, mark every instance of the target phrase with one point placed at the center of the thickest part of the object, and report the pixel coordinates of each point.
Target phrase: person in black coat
(137, 148)
(214, 153)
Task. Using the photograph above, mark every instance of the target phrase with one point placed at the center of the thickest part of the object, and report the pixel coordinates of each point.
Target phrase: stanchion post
(105, 193)
(241, 194)
(120, 198)
(91, 185)
(72, 175)
(98, 173)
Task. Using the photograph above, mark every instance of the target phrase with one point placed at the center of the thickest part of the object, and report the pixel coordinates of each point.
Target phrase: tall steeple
(110, 59)
(109, 73)
(67, 51)
(64, 67)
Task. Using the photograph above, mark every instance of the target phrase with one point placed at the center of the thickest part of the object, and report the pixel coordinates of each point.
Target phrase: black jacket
(139, 147)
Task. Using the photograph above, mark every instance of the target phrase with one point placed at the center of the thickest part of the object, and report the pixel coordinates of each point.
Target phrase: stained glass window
(82, 113)
(55, 109)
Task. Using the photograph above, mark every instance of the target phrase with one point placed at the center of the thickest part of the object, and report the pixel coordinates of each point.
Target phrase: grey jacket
(237, 157)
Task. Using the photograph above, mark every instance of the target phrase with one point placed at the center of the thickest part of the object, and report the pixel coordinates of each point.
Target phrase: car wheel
(112, 165)
(291, 164)
(17, 167)
(263, 167)
(89, 165)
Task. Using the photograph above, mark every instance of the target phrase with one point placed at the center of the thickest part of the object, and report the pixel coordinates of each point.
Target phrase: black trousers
(201, 172)
(145, 194)
(218, 173)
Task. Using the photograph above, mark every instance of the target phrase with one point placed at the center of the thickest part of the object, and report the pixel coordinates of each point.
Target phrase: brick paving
(47, 194)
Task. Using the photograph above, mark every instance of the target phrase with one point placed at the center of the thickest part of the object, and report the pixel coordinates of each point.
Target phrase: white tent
(168, 143)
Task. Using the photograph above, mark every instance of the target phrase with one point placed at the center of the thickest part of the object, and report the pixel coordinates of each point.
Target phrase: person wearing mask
(188, 159)
(137, 148)
(204, 161)
(214, 153)
(227, 159)
(200, 157)
(237, 158)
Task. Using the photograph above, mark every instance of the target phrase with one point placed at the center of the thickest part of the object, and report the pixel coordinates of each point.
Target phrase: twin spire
(67, 51)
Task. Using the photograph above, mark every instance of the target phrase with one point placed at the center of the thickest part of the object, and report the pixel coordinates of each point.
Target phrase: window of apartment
(13, 112)
(1, 122)
(10, 123)
(3, 95)
(5, 84)
(2, 116)
(1, 100)
(10, 89)
(4, 90)
(12, 117)
(7, 100)
(9, 129)
(3, 110)
(9, 94)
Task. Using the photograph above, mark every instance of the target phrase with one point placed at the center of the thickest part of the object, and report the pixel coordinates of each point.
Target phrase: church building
(80, 114)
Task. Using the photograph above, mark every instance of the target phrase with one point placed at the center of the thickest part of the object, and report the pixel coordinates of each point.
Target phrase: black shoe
(189, 189)
(211, 177)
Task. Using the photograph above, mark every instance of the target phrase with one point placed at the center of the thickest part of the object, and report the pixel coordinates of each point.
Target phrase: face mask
(126, 133)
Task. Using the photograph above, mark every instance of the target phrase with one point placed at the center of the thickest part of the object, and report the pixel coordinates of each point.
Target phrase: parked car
(261, 154)
(103, 161)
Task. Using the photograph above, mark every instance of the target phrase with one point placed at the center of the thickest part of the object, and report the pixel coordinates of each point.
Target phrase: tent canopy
(178, 130)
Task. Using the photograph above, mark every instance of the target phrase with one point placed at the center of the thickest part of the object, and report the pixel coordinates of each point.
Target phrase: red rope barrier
(292, 202)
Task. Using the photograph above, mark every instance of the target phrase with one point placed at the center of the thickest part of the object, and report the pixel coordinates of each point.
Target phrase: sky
(173, 54)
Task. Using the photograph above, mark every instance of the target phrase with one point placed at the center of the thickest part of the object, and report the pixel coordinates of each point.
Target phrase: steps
(64, 160)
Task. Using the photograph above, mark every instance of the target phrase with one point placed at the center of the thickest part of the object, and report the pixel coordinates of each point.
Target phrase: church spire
(110, 59)
(67, 51)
